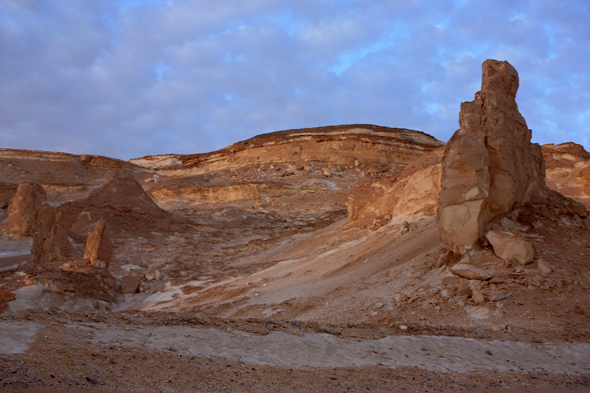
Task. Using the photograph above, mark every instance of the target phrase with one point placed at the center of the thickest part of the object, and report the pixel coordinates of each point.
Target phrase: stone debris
(511, 247)
(477, 297)
(466, 270)
(544, 267)
(29, 197)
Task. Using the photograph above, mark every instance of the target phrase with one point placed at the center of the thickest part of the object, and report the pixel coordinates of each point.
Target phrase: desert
(339, 258)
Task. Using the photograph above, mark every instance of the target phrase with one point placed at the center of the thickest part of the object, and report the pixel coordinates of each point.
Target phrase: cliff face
(64, 176)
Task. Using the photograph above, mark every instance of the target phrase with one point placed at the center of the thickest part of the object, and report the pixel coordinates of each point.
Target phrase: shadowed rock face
(490, 166)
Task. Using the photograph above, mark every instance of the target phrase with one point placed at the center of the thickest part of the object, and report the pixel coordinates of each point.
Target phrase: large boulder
(490, 166)
(23, 209)
(511, 247)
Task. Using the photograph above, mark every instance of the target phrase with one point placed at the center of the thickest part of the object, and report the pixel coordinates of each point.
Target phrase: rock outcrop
(333, 144)
(99, 248)
(410, 195)
(124, 205)
(568, 171)
(490, 166)
(51, 239)
(23, 208)
(7, 191)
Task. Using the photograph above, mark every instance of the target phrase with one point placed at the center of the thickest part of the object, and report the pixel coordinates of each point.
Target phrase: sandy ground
(51, 351)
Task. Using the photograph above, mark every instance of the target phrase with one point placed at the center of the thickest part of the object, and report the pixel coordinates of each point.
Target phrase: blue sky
(132, 78)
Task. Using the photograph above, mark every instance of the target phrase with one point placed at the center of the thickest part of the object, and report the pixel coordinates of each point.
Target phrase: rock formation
(568, 170)
(411, 194)
(23, 208)
(490, 166)
(99, 248)
(7, 191)
(124, 205)
(333, 144)
(51, 244)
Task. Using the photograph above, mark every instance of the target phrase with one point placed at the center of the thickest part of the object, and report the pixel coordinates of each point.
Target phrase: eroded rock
(490, 166)
(23, 208)
(99, 248)
(51, 243)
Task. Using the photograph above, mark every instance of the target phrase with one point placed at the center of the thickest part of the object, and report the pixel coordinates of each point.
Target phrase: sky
(130, 78)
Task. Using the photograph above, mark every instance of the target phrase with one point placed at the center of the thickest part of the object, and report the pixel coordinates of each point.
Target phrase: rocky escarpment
(272, 169)
(568, 170)
(490, 167)
(63, 176)
(410, 195)
(340, 145)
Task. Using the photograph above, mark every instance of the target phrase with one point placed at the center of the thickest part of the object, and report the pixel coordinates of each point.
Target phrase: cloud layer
(133, 78)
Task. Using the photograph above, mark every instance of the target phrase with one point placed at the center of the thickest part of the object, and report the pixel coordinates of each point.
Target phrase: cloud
(132, 78)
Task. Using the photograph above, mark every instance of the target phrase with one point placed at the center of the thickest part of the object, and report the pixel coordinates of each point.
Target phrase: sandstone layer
(328, 145)
(410, 195)
(568, 170)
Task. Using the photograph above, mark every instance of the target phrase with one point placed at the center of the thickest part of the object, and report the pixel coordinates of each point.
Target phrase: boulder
(99, 248)
(129, 284)
(51, 242)
(489, 165)
(23, 209)
(511, 247)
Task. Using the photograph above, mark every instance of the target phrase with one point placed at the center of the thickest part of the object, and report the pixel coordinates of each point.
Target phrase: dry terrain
(302, 260)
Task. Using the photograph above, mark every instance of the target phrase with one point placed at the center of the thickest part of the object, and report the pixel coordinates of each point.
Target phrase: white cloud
(132, 78)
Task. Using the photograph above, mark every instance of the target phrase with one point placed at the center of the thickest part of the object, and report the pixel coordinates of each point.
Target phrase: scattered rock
(327, 173)
(466, 270)
(497, 296)
(452, 281)
(511, 247)
(464, 289)
(479, 312)
(23, 208)
(543, 267)
(477, 297)
(129, 284)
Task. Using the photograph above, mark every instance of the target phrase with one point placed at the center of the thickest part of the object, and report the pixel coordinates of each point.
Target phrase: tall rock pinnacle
(490, 166)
